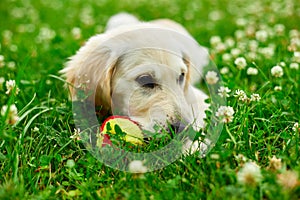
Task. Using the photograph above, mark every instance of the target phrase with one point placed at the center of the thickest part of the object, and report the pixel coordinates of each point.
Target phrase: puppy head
(143, 73)
(150, 86)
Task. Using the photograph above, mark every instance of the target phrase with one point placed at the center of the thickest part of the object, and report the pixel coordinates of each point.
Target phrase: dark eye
(146, 81)
(181, 78)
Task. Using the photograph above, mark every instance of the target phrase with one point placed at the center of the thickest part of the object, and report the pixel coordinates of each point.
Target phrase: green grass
(40, 160)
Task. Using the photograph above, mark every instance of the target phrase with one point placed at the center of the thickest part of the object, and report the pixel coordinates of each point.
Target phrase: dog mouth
(164, 134)
(159, 132)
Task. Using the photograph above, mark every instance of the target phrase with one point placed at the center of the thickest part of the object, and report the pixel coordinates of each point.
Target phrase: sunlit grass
(41, 156)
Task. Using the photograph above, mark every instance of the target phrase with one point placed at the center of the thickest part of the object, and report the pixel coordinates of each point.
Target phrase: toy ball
(128, 129)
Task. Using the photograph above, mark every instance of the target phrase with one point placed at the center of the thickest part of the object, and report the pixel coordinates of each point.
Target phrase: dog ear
(196, 58)
(187, 62)
(89, 72)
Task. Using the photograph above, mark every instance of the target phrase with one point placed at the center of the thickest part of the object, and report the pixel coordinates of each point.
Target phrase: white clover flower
(275, 163)
(11, 65)
(215, 15)
(294, 66)
(267, 52)
(261, 35)
(7, 36)
(36, 129)
(225, 114)
(241, 95)
(220, 47)
(10, 86)
(294, 33)
(4, 110)
(294, 44)
(215, 40)
(240, 158)
(226, 57)
(224, 70)
(296, 57)
(255, 97)
(240, 62)
(76, 32)
(296, 127)
(229, 42)
(250, 174)
(12, 113)
(252, 71)
(239, 34)
(277, 88)
(277, 71)
(211, 77)
(86, 16)
(45, 34)
(279, 29)
(215, 156)
(137, 166)
(242, 46)
(223, 91)
(235, 52)
(288, 179)
(295, 41)
(2, 63)
(282, 64)
(253, 45)
(250, 30)
(251, 56)
(241, 22)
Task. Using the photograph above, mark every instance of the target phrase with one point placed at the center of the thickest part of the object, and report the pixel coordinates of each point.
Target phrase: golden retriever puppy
(144, 70)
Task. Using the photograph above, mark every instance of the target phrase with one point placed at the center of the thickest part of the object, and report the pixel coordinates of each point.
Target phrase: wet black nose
(177, 127)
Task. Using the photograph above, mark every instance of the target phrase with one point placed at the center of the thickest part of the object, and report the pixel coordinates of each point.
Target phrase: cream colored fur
(107, 67)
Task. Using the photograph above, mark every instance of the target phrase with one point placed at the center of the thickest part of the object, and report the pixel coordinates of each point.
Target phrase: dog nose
(177, 127)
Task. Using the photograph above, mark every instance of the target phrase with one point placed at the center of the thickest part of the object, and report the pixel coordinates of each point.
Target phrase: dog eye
(146, 81)
(181, 78)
